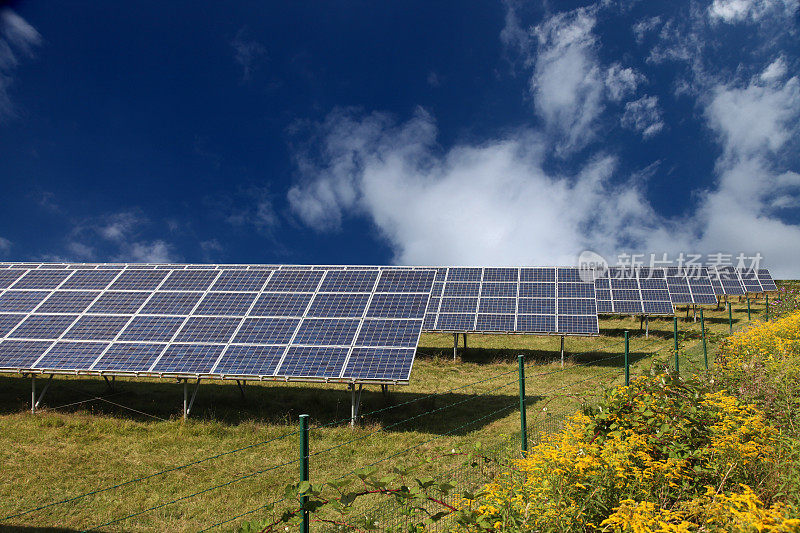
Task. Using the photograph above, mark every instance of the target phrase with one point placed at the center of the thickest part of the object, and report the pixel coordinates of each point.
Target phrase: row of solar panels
(290, 322)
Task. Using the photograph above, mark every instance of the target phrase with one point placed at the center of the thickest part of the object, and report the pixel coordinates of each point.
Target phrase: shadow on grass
(222, 402)
(27, 529)
(487, 356)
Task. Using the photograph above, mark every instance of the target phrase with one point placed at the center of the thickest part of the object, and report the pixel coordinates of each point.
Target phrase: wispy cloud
(5, 246)
(643, 116)
(18, 39)
(248, 53)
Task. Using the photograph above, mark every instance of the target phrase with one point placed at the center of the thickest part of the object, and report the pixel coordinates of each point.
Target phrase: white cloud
(247, 53)
(645, 26)
(733, 11)
(434, 80)
(5, 246)
(644, 116)
(567, 83)
(775, 71)
(622, 82)
(147, 252)
(17, 38)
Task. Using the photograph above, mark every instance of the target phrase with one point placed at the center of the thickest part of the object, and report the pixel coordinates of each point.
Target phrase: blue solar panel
(129, 357)
(349, 281)
(326, 331)
(188, 359)
(250, 360)
(495, 322)
(499, 290)
(21, 354)
(21, 301)
(171, 303)
(241, 280)
(537, 306)
(464, 274)
(267, 330)
(93, 327)
(151, 328)
(498, 305)
(379, 363)
(294, 281)
(403, 333)
(576, 306)
(189, 280)
(7, 277)
(208, 329)
(90, 279)
(119, 303)
(765, 278)
(139, 280)
(68, 302)
(313, 361)
(338, 305)
(458, 305)
(71, 356)
(9, 322)
(281, 304)
(576, 290)
(397, 305)
(41, 279)
(405, 281)
(42, 327)
(537, 274)
(429, 322)
(462, 289)
(501, 274)
(226, 303)
(537, 290)
(576, 324)
(455, 322)
(536, 323)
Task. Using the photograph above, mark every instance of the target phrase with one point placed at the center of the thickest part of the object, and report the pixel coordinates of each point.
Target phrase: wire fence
(479, 404)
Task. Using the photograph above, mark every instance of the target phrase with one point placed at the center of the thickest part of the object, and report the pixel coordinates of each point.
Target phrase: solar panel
(725, 280)
(765, 278)
(632, 292)
(750, 281)
(536, 300)
(689, 285)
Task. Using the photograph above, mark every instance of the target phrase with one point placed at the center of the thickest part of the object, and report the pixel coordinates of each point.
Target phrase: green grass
(137, 429)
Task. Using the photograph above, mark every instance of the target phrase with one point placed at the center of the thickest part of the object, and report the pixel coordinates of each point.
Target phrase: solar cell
(313, 361)
(500, 274)
(171, 303)
(462, 289)
(537, 290)
(21, 354)
(537, 274)
(536, 323)
(129, 357)
(21, 301)
(464, 274)
(189, 280)
(208, 329)
(498, 305)
(151, 328)
(349, 281)
(495, 322)
(458, 305)
(577, 324)
(455, 322)
(226, 303)
(537, 306)
(9, 322)
(402, 333)
(267, 330)
(576, 306)
(379, 364)
(241, 280)
(326, 331)
(71, 356)
(42, 327)
(41, 279)
(94, 327)
(430, 322)
(139, 280)
(338, 305)
(90, 279)
(499, 290)
(242, 360)
(7, 277)
(392, 280)
(281, 304)
(68, 302)
(119, 303)
(188, 359)
(397, 305)
(294, 281)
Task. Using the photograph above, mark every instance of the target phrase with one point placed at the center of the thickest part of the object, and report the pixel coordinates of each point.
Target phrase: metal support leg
(385, 391)
(562, 351)
(355, 403)
(455, 346)
(465, 343)
(646, 326)
(694, 307)
(241, 387)
(187, 403)
(109, 383)
(34, 400)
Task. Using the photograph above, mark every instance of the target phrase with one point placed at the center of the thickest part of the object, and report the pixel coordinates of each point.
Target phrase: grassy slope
(67, 451)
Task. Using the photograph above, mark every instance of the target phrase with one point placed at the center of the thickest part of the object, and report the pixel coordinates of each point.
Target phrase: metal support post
(455, 346)
(694, 307)
(34, 400)
(730, 318)
(646, 327)
(241, 384)
(304, 466)
(522, 414)
(465, 343)
(766, 299)
(703, 334)
(355, 403)
(675, 340)
(187, 402)
(748, 308)
(562, 351)
(109, 383)
(627, 367)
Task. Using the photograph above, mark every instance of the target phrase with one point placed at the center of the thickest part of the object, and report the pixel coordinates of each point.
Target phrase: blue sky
(416, 133)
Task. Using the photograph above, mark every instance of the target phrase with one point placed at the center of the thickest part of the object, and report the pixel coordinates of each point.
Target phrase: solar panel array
(688, 285)
(360, 324)
(632, 291)
(725, 280)
(765, 278)
(544, 300)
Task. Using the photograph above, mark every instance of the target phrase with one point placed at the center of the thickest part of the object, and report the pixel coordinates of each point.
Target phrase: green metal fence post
(748, 308)
(627, 367)
(703, 333)
(522, 415)
(730, 318)
(767, 301)
(675, 339)
(304, 465)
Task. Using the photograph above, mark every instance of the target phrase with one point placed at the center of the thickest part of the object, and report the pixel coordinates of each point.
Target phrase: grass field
(87, 438)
